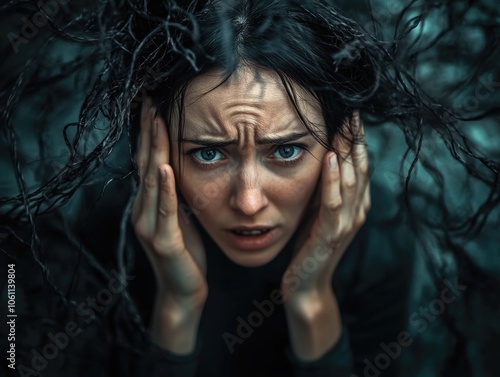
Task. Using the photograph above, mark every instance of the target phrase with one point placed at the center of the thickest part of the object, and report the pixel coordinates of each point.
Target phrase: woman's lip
(252, 242)
(255, 227)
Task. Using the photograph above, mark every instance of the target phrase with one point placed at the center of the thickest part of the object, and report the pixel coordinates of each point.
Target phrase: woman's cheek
(200, 193)
(297, 199)
(304, 189)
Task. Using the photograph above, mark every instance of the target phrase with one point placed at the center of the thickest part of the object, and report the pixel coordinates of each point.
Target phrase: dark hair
(279, 36)
(304, 43)
(141, 48)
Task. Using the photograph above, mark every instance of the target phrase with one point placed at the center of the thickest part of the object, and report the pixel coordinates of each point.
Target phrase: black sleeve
(155, 362)
(372, 284)
(335, 362)
(373, 288)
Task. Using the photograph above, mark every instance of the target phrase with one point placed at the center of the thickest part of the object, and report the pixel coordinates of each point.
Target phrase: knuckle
(363, 166)
(166, 211)
(333, 178)
(150, 182)
(360, 220)
(367, 199)
(368, 204)
(140, 230)
(158, 244)
(330, 242)
(357, 153)
(334, 204)
(141, 164)
(166, 247)
(350, 183)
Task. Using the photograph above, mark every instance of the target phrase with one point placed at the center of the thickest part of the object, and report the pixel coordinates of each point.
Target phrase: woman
(267, 174)
(253, 189)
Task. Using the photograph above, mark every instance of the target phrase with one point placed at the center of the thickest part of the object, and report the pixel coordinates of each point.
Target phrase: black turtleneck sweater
(243, 329)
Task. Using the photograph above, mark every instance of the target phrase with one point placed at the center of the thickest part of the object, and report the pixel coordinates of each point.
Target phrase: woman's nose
(248, 195)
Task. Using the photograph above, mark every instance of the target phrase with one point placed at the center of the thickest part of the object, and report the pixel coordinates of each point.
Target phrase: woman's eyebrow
(270, 139)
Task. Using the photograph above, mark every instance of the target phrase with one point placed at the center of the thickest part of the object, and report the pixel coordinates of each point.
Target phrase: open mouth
(256, 232)
(252, 239)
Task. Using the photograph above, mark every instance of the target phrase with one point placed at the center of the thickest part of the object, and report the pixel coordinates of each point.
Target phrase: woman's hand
(173, 247)
(344, 199)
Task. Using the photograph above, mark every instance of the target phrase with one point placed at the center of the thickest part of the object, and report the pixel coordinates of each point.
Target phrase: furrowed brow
(214, 143)
(282, 139)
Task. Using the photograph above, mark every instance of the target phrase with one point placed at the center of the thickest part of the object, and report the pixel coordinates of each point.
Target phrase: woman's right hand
(173, 247)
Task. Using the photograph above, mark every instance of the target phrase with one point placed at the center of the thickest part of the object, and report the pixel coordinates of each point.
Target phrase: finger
(360, 153)
(164, 139)
(160, 146)
(158, 155)
(367, 198)
(348, 181)
(326, 234)
(331, 196)
(363, 208)
(343, 144)
(142, 156)
(360, 156)
(167, 224)
(182, 268)
(349, 185)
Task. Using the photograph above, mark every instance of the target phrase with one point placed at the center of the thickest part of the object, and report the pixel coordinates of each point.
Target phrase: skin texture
(248, 184)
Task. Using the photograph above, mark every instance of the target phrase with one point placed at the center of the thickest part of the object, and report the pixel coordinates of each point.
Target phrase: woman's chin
(250, 251)
(252, 258)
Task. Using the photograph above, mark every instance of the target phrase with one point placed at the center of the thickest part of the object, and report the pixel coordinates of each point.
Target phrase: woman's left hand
(344, 200)
(311, 307)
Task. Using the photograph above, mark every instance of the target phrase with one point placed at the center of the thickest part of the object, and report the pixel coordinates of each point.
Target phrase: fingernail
(333, 161)
(163, 175)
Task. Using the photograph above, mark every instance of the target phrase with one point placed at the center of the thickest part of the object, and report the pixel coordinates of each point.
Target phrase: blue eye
(207, 154)
(287, 152)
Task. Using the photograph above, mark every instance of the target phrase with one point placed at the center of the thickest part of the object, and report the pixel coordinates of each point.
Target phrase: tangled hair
(130, 49)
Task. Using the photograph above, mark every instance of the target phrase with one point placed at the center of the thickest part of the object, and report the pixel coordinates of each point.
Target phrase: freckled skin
(247, 184)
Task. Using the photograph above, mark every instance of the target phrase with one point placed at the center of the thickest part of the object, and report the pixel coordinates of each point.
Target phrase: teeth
(250, 232)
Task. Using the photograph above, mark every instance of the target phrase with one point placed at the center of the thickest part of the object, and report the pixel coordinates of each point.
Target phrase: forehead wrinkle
(201, 124)
(259, 113)
(242, 100)
(247, 115)
(205, 118)
(246, 137)
(238, 113)
(231, 126)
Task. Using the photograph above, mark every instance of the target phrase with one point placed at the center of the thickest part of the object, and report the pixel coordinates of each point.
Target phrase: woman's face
(248, 162)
